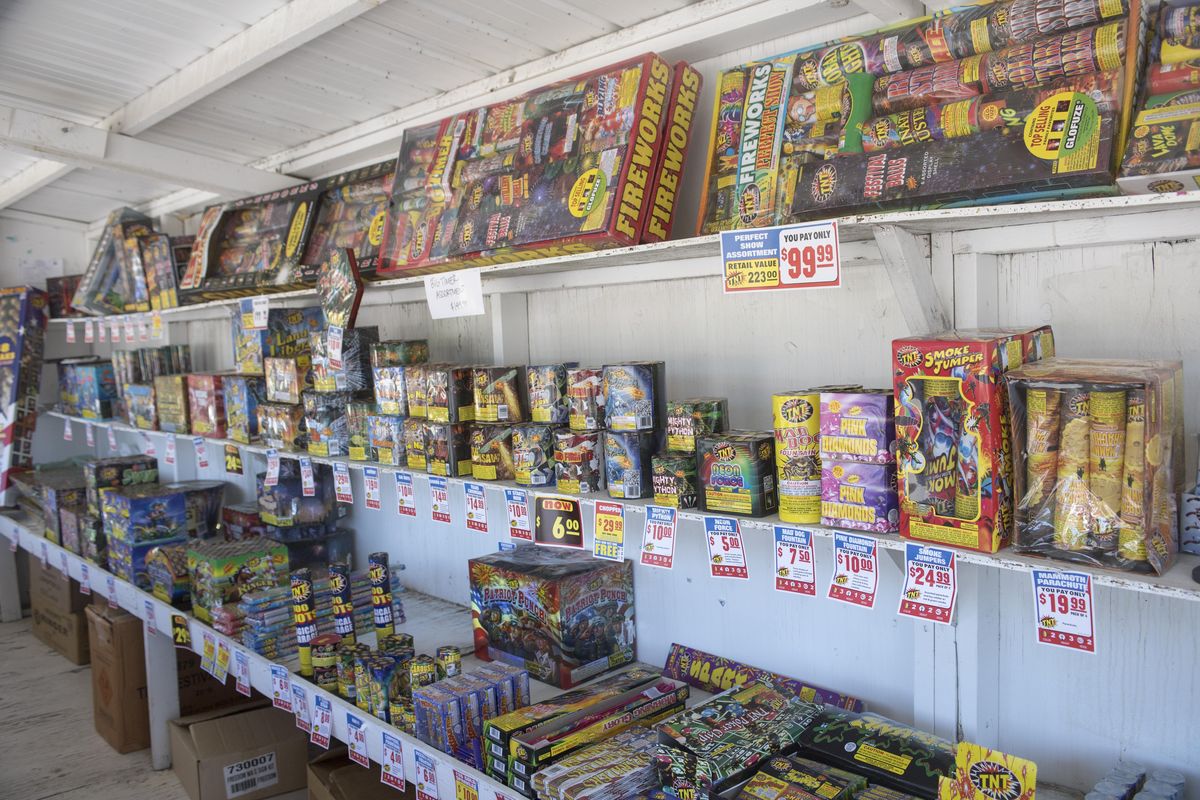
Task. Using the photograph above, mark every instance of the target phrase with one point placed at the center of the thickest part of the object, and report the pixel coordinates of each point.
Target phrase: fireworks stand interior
(649, 399)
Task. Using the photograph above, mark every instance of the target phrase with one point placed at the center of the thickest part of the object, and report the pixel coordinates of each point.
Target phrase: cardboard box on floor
(64, 632)
(333, 776)
(244, 752)
(50, 590)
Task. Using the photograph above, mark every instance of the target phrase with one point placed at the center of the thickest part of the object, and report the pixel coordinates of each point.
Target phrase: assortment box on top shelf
(351, 214)
(113, 282)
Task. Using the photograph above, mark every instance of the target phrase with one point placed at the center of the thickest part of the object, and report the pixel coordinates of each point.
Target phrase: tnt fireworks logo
(908, 356)
(796, 411)
(994, 780)
(824, 183)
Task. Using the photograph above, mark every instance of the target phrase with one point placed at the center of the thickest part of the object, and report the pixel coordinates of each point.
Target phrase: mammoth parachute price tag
(1065, 612)
(557, 521)
(803, 256)
(726, 555)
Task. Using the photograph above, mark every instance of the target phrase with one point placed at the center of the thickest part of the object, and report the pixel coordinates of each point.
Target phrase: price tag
(322, 722)
(221, 670)
(201, 452)
(14, 543)
(101, 332)
(787, 257)
(170, 454)
(130, 336)
(70, 332)
(254, 313)
(112, 438)
(476, 507)
(233, 459)
(406, 505)
(181, 632)
(89, 435)
(68, 434)
(465, 787)
(557, 521)
(427, 788)
(930, 583)
(272, 476)
(148, 445)
(156, 325)
(517, 502)
(300, 708)
(307, 485)
(89, 331)
(110, 583)
(148, 616)
(794, 563)
(208, 656)
(608, 539)
(64, 566)
(241, 672)
(726, 555)
(45, 555)
(143, 330)
(281, 688)
(114, 324)
(341, 483)
(357, 741)
(439, 499)
(85, 579)
(392, 773)
(856, 570)
(333, 342)
(1065, 611)
(371, 488)
(454, 294)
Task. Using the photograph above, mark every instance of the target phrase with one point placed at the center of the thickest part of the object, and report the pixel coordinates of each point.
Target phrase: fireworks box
(141, 411)
(23, 330)
(203, 501)
(1164, 149)
(355, 374)
(109, 284)
(562, 615)
(628, 466)
(351, 214)
(87, 388)
(243, 393)
(285, 380)
(60, 490)
(416, 444)
(566, 168)
(385, 440)
(954, 466)
(358, 430)
(858, 426)
(171, 400)
(692, 418)
(127, 560)
(159, 267)
(325, 423)
(859, 496)
(241, 521)
(286, 336)
(635, 396)
(449, 393)
(60, 290)
(448, 449)
(737, 472)
(206, 404)
(285, 506)
(112, 473)
(223, 571)
(143, 513)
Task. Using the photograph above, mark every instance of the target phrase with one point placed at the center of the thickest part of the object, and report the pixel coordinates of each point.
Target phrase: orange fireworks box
(954, 465)
(560, 614)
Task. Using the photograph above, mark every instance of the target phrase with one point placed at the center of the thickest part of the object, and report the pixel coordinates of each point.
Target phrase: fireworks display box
(113, 473)
(562, 615)
(113, 282)
(87, 387)
(286, 336)
(954, 464)
(60, 490)
(127, 560)
(171, 399)
(22, 343)
(158, 264)
(355, 374)
(737, 472)
(222, 572)
(243, 393)
(206, 404)
(1164, 149)
(351, 215)
(281, 425)
(144, 513)
(61, 290)
(141, 411)
(567, 168)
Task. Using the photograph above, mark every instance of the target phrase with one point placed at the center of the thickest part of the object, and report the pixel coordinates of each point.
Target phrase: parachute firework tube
(1042, 409)
(585, 399)
(1107, 412)
(305, 618)
(1032, 64)
(1171, 78)
(1072, 501)
(1131, 542)
(381, 594)
(347, 653)
(325, 661)
(448, 661)
(381, 671)
(940, 441)
(924, 86)
(797, 423)
(1177, 22)
(343, 602)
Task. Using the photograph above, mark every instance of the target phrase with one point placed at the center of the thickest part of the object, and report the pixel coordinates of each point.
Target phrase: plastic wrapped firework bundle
(492, 456)
(533, 454)
(1096, 447)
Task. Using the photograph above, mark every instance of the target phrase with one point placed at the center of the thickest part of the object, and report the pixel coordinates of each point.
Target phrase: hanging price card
(254, 313)
(148, 445)
(130, 335)
(46, 555)
(307, 485)
(476, 507)
(322, 721)
(357, 741)
(143, 330)
(371, 488)
(110, 585)
(1065, 613)
(341, 483)
(794, 565)
(608, 539)
(930, 583)
(156, 326)
(517, 502)
(333, 343)
(208, 654)
(101, 333)
(148, 616)
(201, 452)
(85, 578)
(89, 331)
(788, 257)
(169, 457)
(89, 435)
(181, 632)
(726, 556)
(112, 437)
(465, 787)
(64, 567)
(405, 501)
(272, 476)
(281, 688)
(68, 434)
(300, 708)
(241, 672)
(70, 332)
(439, 499)
(392, 771)
(856, 570)
(557, 521)
(114, 329)
(221, 670)
(233, 459)
(658, 537)
(426, 779)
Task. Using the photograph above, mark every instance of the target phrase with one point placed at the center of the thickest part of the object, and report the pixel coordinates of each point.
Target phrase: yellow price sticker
(759, 273)
(609, 539)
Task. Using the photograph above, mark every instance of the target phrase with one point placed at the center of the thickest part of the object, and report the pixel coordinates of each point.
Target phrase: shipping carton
(64, 632)
(333, 776)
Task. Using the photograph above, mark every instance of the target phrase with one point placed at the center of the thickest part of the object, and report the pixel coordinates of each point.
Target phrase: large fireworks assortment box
(60, 490)
(112, 473)
(351, 215)
(22, 343)
(954, 462)
(566, 168)
(286, 336)
(113, 282)
(221, 572)
(87, 388)
(562, 615)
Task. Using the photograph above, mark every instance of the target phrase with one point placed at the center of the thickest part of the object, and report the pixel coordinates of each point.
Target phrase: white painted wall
(22, 239)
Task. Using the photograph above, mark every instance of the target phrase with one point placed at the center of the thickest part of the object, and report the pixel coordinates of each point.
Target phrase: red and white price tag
(110, 585)
(89, 435)
(358, 740)
(241, 672)
(170, 454)
(608, 531)
(392, 772)
(465, 787)
(406, 505)
(307, 485)
(148, 445)
(201, 452)
(795, 567)
(143, 330)
(281, 688)
(726, 555)
(70, 332)
(322, 721)
(856, 570)
(517, 503)
(426, 780)
(89, 331)
(333, 342)
(805, 255)
(439, 499)
(272, 476)
(85, 578)
(148, 616)
(114, 326)
(68, 434)
(300, 708)
(221, 668)
(112, 438)
(341, 483)
(374, 497)
(130, 336)
(476, 507)
(930, 583)
(658, 537)
(101, 332)
(1066, 614)
(64, 566)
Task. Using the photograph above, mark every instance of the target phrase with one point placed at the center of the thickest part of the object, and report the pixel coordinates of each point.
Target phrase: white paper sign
(221, 669)
(476, 507)
(307, 486)
(794, 563)
(300, 708)
(406, 505)
(241, 672)
(371, 488)
(68, 434)
(89, 435)
(454, 294)
(333, 343)
(517, 501)
(89, 331)
(170, 456)
(112, 438)
(85, 579)
(357, 741)
(341, 483)
(281, 688)
(110, 583)
(392, 773)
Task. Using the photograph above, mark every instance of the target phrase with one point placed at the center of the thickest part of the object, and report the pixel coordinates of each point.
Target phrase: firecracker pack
(87, 388)
(206, 404)
(562, 615)
(243, 393)
(953, 460)
(113, 282)
(221, 572)
(570, 167)
(23, 326)
(111, 473)
(171, 400)
(793, 777)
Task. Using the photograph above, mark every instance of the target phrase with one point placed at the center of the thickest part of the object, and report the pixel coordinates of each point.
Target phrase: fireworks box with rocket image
(23, 317)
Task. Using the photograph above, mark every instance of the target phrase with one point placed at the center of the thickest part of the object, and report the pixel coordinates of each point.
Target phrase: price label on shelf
(233, 459)
(406, 504)
(254, 313)
(241, 672)
(89, 331)
(726, 554)
(101, 332)
(110, 585)
(221, 669)
(70, 332)
(169, 457)
(795, 569)
(300, 708)
(333, 343)
(392, 771)
(476, 507)
(112, 437)
(143, 330)
(85, 578)
(517, 503)
(426, 778)
(148, 616)
(341, 483)
(557, 521)
(130, 335)
(281, 688)
(374, 498)
(608, 538)
(114, 329)
(358, 740)
(930, 583)
(322, 721)
(658, 537)
(45, 555)
(181, 632)
(799, 256)
(208, 655)
(856, 570)
(307, 485)
(201, 452)
(89, 435)
(64, 566)
(272, 476)
(156, 325)
(1065, 611)
(68, 434)
(439, 499)
(148, 445)
(465, 787)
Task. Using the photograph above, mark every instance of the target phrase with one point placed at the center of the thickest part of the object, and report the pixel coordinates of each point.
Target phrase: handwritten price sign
(1065, 611)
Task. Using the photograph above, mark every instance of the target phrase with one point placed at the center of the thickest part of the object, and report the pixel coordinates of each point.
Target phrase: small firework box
(143, 513)
(737, 472)
(627, 463)
(440, 720)
(59, 291)
(206, 404)
(859, 496)
(449, 393)
(358, 430)
(59, 490)
(694, 417)
(416, 443)
(171, 400)
(500, 394)
(22, 340)
(954, 467)
(159, 265)
(109, 285)
(241, 521)
(281, 425)
(561, 615)
(111, 473)
(548, 393)
(790, 776)
(167, 568)
(286, 336)
(355, 373)
(71, 528)
(635, 396)
(448, 449)
(414, 389)
(858, 426)
(284, 504)
(533, 454)
(492, 456)
(675, 480)
(385, 434)
(87, 388)
(203, 501)
(391, 392)
(350, 215)
(141, 410)
(1096, 461)
(127, 560)
(285, 380)
(243, 393)
(570, 167)
(398, 353)
(325, 423)
(223, 571)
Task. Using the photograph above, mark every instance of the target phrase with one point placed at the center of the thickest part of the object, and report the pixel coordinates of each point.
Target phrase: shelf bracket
(906, 256)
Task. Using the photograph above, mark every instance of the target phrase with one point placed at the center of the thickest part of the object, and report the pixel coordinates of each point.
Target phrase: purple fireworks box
(859, 496)
(858, 426)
